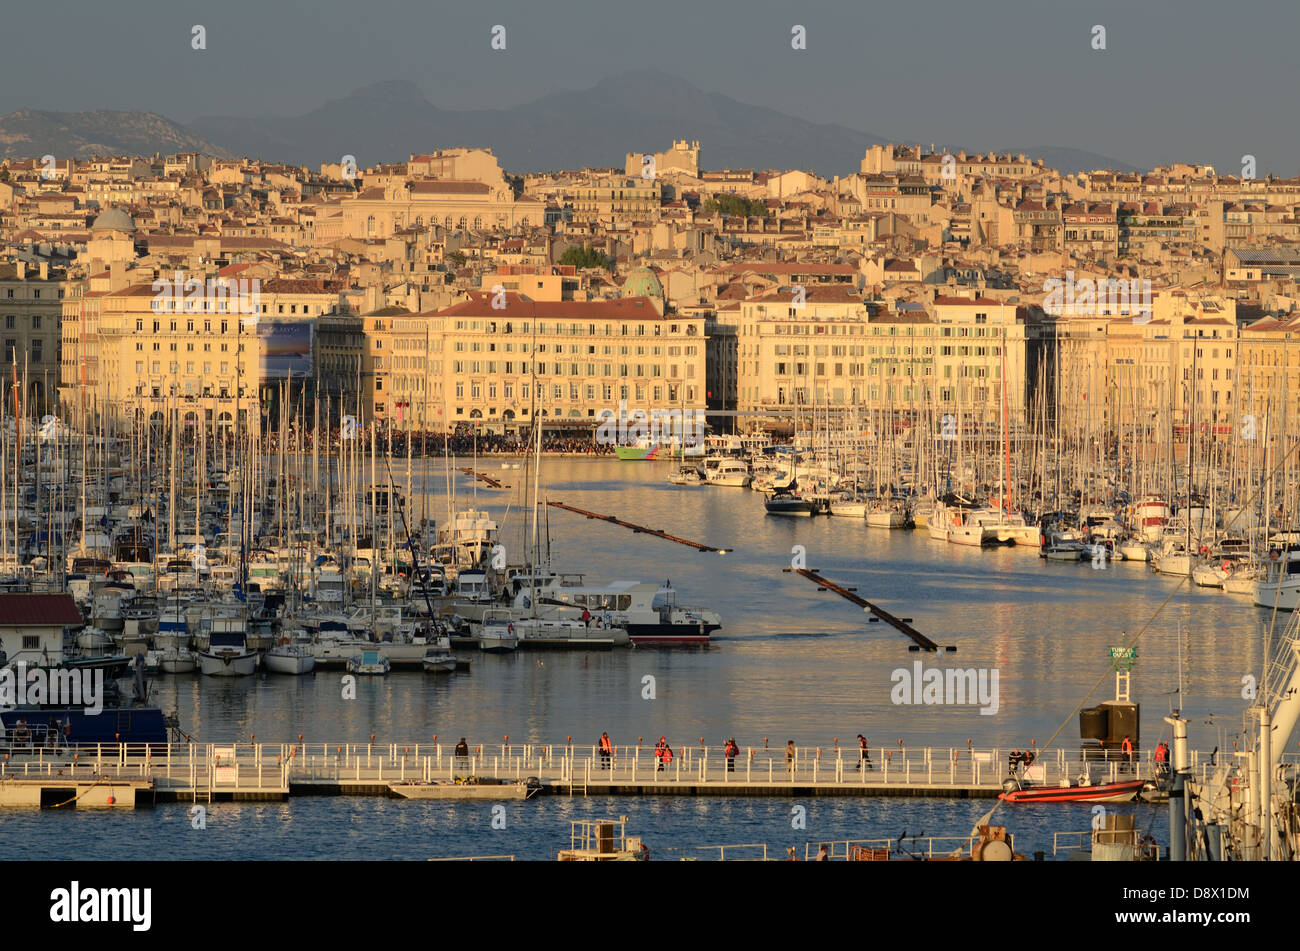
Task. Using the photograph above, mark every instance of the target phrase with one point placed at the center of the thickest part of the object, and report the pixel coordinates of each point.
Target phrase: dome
(643, 283)
(113, 220)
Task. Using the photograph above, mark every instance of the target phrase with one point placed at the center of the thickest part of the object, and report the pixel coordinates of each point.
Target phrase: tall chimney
(21, 267)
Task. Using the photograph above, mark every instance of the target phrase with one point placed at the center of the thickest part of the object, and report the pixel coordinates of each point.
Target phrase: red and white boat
(1097, 792)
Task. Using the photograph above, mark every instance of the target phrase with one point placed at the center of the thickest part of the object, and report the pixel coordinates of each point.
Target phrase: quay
(138, 775)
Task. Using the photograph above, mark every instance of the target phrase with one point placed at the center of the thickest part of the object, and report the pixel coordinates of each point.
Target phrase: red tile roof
(38, 610)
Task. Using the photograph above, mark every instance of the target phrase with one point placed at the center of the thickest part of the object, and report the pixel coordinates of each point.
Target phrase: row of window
(573, 392)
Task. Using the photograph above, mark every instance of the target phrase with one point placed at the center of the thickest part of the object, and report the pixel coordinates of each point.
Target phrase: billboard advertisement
(286, 348)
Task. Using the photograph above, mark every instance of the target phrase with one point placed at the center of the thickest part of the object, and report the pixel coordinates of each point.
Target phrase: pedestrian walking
(789, 757)
(864, 753)
(729, 750)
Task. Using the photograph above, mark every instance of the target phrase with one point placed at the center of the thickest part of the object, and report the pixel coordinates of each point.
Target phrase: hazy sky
(1190, 80)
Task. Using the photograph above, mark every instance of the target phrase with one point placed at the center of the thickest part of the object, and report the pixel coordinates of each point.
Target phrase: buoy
(111, 800)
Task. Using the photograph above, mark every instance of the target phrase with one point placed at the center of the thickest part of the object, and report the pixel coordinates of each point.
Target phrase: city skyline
(1004, 82)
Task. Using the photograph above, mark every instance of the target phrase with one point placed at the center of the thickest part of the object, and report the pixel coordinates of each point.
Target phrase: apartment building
(31, 305)
(496, 361)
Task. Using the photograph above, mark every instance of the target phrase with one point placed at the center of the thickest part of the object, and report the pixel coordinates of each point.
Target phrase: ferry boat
(644, 614)
(637, 453)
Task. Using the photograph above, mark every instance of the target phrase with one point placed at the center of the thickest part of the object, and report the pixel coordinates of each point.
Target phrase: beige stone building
(31, 304)
(617, 200)
(566, 360)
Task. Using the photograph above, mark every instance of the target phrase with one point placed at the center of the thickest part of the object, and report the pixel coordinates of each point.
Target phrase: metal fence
(276, 765)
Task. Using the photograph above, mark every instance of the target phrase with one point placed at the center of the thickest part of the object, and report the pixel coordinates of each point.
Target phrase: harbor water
(790, 663)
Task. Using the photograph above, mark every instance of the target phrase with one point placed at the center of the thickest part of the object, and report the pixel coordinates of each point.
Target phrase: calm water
(789, 663)
(387, 829)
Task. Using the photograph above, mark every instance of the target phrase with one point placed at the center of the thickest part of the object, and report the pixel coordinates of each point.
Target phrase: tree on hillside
(583, 257)
(735, 205)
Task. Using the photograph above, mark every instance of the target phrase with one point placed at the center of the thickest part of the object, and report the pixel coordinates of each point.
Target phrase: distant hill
(1071, 161)
(29, 133)
(640, 110)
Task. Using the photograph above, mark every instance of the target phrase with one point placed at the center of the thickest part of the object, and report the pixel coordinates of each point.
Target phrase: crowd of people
(461, 442)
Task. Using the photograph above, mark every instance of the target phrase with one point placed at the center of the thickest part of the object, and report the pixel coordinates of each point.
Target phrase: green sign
(1123, 656)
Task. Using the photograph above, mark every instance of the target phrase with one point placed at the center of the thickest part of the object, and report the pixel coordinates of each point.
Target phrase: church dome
(113, 220)
(643, 282)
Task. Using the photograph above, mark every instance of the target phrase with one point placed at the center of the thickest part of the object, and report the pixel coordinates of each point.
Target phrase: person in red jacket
(729, 751)
(606, 750)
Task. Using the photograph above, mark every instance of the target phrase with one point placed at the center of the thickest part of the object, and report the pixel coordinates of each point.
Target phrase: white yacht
(886, 515)
(726, 471)
(1280, 585)
(290, 656)
(178, 660)
(228, 654)
(497, 634)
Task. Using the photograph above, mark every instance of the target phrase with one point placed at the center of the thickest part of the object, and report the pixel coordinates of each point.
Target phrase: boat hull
(295, 664)
(228, 665)
(668, 635)
(1103, 792)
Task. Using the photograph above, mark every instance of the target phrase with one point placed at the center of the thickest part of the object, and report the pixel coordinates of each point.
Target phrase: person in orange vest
(606, 750)
(1162, 757)
(1126, 748)
(663, 753)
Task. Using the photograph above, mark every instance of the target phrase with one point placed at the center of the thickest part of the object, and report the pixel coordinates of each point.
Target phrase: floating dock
(191, 772)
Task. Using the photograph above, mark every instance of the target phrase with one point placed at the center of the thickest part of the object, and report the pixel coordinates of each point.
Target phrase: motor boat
(686, 475)
(1061, 546)
(726, 471)
(370, 663)
(1015, 790)
(785, 502)
(497, 634)
(227, 653)
(289, 658)
(178, 660)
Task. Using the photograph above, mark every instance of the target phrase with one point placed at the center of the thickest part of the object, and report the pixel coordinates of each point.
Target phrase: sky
(1179, 80)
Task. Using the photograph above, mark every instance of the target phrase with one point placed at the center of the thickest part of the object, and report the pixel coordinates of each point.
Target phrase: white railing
(277, 765)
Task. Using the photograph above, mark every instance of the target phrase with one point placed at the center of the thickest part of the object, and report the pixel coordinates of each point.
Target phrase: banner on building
(286, 348)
